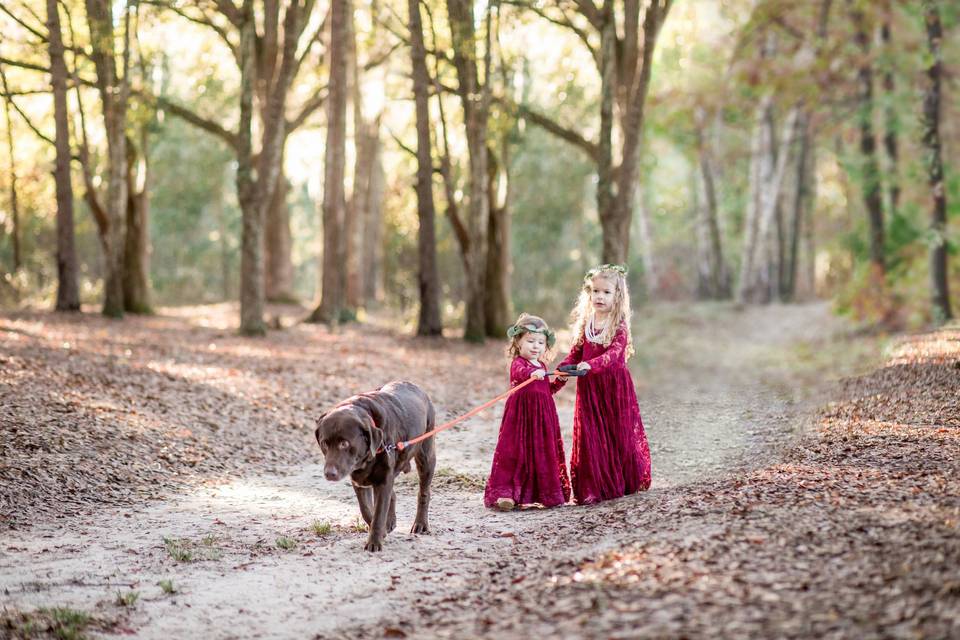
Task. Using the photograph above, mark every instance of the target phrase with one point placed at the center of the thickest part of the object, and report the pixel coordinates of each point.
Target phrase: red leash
(400, 446)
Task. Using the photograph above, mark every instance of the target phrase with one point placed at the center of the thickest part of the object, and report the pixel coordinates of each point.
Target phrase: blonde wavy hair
(620, 313)
(513, 349)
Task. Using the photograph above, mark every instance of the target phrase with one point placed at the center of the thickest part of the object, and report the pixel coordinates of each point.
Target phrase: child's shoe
(505, 504)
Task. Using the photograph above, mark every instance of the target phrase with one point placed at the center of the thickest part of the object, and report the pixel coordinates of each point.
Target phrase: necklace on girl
(592, 334)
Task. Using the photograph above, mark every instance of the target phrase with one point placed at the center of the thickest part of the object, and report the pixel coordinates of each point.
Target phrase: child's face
(602, 291)
(532, 345)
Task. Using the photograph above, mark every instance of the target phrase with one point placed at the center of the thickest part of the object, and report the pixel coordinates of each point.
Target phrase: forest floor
(159, 478)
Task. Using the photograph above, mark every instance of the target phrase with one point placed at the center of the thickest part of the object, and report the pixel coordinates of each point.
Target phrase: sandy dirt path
(720, 390)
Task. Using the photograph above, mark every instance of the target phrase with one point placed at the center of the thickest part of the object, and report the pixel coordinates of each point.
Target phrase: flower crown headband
(519, 329)
(618, 268)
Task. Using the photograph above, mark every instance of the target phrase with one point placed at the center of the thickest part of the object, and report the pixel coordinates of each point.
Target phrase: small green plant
(209, 540)
(359, 526)
(167, 587)
(67, 624)
(127, 599)
(321, 528)
(178, 549)
(286, 543)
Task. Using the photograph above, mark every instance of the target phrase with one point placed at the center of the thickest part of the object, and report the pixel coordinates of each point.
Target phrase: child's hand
(538, 374)
(583, 366)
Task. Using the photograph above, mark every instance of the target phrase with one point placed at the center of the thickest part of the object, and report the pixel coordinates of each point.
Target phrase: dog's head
(348, 438)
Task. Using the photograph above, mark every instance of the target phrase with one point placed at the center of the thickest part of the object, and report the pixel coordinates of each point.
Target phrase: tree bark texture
(498, 313)
(870, 169)
(113, 95)
(68, 292)
(251, 239)
(428, 277)
(278, 244)
(475, 101)
(334, 275)
(939, 281)
(136, 262)
(714, 278)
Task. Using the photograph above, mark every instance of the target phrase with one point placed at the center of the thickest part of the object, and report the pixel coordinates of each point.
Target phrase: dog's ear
(316, 433)
(374, 434)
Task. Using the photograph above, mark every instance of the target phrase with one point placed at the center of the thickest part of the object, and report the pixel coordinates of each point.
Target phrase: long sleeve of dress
(614, 353)
(574, 357)
(520, 371)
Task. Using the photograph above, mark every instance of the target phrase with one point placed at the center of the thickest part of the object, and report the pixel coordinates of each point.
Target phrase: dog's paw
(373, 545)
(420, 527)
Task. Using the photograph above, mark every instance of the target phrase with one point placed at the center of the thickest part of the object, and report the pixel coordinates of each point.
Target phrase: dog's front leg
(381, 508)
(365, 499)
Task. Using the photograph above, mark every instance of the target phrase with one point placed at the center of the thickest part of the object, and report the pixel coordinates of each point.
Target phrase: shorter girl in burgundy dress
(529, 466)
(611, 457)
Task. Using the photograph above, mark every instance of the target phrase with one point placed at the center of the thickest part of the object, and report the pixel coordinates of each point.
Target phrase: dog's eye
(344, 444)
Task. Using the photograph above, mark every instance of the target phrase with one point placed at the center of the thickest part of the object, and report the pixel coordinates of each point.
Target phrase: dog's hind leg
(426, 459)
(365, 500)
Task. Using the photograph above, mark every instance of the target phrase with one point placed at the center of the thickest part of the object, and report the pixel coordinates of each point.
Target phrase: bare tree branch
(591, 13)
(230, 10)
(557, 129)
(307, 110)
(195, 119)
(43, 36)
(24, 116)
(566, 22)
(206, 21)
(317, 36)
(24, 65)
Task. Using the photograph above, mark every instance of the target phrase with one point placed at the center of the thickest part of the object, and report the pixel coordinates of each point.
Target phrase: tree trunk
(251, 243)
(801, 196)
(278, 244)
(113, 95)
(14, 202)
(870, 170)
(475, 100)
(429, 322)
(616, 248)
(713, 271)
(939, 281)
(333, 278)
(759, 267)
(68, 293)
(373, 232)
(891, 121)
(136, 262)
(759, 159)
(497, 313)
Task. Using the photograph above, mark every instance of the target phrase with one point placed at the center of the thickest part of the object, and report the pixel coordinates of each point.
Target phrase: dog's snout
(331, 473)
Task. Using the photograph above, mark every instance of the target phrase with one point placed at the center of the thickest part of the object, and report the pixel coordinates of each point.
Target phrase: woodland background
(451, 163)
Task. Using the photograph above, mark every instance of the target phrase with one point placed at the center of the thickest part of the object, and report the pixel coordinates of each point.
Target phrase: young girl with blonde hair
(611, 457)
(529, 466)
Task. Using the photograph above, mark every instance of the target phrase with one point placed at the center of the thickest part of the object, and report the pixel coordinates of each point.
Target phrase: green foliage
(321, 528)
(195, 222)
(285, 543)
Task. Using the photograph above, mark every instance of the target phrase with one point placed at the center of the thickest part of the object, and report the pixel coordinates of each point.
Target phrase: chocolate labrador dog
(356, 438)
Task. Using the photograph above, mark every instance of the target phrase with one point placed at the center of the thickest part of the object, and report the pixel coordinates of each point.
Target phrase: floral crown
(519, 329)
(618, 268)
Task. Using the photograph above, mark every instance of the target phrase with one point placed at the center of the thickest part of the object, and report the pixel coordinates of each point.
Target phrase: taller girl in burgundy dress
(611, 457)
(529, 466)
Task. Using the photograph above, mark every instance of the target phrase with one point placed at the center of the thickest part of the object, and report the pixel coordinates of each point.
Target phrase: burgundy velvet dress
(611, 457)
(529, 464)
